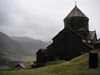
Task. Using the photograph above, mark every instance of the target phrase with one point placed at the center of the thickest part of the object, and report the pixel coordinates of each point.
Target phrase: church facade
(74, 40)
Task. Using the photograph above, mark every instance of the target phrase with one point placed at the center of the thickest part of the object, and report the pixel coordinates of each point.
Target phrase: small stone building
(75, 39)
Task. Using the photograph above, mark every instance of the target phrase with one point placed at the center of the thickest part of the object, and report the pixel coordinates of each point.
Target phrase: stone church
(74, 40)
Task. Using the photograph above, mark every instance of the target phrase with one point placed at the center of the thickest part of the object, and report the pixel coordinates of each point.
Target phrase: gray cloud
(43, 19)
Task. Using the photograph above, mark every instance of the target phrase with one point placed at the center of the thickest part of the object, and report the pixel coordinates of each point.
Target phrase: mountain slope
(8, 48)
(7, 45)
(19, 45)
(18, 48)
(29, 43)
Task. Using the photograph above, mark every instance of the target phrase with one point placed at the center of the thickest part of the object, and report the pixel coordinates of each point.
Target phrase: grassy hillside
(77, 66)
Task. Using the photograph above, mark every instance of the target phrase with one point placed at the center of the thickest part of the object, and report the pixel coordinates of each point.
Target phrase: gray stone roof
(91, 35)
(98, 41)
(76, 12)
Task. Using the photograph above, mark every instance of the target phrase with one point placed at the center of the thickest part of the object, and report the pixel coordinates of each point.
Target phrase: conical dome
(76, 12)
(77, 20)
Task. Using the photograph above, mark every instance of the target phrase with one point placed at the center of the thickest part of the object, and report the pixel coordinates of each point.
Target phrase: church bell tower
(77, 20)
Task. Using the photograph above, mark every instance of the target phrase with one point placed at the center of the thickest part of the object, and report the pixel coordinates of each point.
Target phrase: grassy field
(77, 66)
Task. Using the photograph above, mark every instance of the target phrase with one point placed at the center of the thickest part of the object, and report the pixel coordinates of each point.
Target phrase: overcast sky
(43, 19)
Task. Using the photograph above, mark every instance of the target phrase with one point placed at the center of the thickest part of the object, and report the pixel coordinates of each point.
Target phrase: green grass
(55, 62)
(77, 66)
